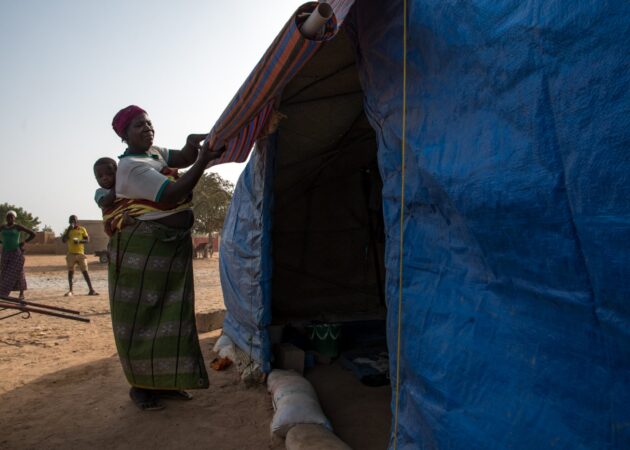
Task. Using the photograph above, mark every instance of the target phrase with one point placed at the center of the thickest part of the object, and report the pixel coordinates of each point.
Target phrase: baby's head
(105, 172)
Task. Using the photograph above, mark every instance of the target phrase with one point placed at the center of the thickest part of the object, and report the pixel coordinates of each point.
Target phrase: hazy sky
(69, 65)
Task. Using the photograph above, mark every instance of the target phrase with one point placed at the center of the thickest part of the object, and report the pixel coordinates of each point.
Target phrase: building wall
(45, 242)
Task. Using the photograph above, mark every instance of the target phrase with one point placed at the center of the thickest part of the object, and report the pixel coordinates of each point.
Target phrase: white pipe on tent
(316, 20)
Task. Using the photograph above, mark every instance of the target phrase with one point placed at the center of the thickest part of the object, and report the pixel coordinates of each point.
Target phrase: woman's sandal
(174, 395)
(145, 399)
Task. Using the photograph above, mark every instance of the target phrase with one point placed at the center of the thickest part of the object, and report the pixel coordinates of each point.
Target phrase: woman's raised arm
(188, 154)
(177, 191)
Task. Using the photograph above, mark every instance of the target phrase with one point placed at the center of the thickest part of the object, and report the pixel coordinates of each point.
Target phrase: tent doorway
(327, 232)
(328, 240)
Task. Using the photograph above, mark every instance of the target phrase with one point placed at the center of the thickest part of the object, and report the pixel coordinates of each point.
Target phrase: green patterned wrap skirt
(152, 300)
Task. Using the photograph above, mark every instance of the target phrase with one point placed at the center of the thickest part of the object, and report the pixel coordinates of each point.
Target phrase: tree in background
(24, 218)
(211, 199)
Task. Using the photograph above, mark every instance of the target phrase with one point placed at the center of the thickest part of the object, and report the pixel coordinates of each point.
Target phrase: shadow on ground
(87, 406)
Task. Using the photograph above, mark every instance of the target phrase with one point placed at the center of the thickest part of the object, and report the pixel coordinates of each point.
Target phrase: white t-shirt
(139, 177)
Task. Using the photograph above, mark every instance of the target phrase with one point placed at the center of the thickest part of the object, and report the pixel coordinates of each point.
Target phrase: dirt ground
(61, 385)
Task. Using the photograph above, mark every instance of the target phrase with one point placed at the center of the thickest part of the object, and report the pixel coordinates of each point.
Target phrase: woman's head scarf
(123, 118)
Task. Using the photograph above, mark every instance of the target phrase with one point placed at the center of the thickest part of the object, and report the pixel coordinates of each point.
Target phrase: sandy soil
(62, 386)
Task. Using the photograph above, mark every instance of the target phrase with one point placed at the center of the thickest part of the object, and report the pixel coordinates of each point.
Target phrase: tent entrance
(327, 232)
(328, 241)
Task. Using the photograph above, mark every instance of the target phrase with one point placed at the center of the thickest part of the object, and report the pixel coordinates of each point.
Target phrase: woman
(12, 263)
(150, 271)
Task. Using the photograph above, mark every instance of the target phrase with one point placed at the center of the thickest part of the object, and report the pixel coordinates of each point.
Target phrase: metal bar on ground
(38, 305)
(30, 309)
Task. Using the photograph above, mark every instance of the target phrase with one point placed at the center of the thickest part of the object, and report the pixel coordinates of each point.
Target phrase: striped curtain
(247, 115)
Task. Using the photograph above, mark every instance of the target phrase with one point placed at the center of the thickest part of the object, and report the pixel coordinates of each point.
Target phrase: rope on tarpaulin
(402, 217)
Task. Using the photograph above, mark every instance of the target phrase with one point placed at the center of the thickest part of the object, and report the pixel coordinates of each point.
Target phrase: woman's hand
(194, 140)
(188, 154)
(206, 153)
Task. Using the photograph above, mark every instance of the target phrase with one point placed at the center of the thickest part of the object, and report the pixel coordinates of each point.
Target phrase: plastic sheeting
(245, 258)
(515, 318)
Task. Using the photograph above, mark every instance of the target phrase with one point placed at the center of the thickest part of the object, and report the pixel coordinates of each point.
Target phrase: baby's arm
(108, 199)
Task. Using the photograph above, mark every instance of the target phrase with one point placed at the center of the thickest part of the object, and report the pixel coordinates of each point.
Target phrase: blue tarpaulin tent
(507, 294)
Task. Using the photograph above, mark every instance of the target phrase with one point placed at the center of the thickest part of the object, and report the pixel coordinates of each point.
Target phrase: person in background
(211, 245)
(12, 276)
(75, 237)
